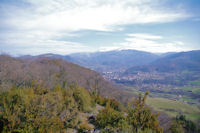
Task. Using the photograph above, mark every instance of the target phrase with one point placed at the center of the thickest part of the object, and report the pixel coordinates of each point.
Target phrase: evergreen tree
(140, 116)
(182, 125)
(111, 120)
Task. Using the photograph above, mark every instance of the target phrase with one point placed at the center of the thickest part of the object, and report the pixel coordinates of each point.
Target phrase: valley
(165, 92)
(166, 85)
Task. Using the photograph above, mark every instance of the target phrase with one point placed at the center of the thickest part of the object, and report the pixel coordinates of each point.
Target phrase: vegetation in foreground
(180, 125)
(36, 109)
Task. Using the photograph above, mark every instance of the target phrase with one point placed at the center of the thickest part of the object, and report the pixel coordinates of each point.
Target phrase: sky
(36, 27)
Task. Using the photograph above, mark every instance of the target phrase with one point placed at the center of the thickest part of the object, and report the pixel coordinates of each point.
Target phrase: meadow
(173, 108)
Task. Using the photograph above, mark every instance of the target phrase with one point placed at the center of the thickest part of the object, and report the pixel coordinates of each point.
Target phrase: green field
(195, 82)
(195, 90)
(173, 108)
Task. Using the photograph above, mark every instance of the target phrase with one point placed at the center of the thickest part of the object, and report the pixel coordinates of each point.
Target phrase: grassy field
(173, 108)
(196, 82)
(193, 89)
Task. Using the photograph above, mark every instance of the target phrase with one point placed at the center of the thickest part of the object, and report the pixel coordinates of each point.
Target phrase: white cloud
(74, 15)
(145, 36)
(152, 43)
(30, 45)
(179, 43)
(41, 21)
(109, 48)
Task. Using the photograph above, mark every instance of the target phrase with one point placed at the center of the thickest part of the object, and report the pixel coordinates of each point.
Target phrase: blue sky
(67, 26)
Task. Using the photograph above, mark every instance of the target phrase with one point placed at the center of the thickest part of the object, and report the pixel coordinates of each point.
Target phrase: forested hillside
(48, 72)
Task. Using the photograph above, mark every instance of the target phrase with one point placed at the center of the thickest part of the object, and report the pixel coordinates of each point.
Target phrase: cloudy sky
(67, 26)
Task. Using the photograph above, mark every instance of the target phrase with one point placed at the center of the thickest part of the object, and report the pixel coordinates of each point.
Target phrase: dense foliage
(36, 109)
(42, 110)
(182, 125)
(138, 118)
(111, 120)
(141, 118)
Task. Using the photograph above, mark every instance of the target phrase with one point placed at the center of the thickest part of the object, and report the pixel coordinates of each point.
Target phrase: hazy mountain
(48, 55)
(104, 61)
(132, 59)
(113, 60)
(167, 54)
(188, 61)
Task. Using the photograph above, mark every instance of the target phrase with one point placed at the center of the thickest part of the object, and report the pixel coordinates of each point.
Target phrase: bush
(113, 103)
(141, 118)
(28, 110)
(83, 98)
(111, 119)
(176, 127)
(84, 127)
(101, 100)
(181, 124)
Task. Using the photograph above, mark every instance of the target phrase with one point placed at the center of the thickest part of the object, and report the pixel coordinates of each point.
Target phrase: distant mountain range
(131, 60)
(177, 62)
(49, 55)
(105, 61)
(113, 60)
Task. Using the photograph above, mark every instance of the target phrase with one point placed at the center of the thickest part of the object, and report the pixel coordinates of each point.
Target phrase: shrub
(28, 110)
(82, 97)
(84, 127)
(176, 127)
(181, 124)
(113, 103)
(140, 116)
(110, 119)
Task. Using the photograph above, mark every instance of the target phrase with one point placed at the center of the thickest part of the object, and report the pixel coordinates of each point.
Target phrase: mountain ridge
(174, 62)
(104, 61)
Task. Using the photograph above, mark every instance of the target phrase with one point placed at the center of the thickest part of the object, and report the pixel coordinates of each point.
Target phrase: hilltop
(50, 72)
